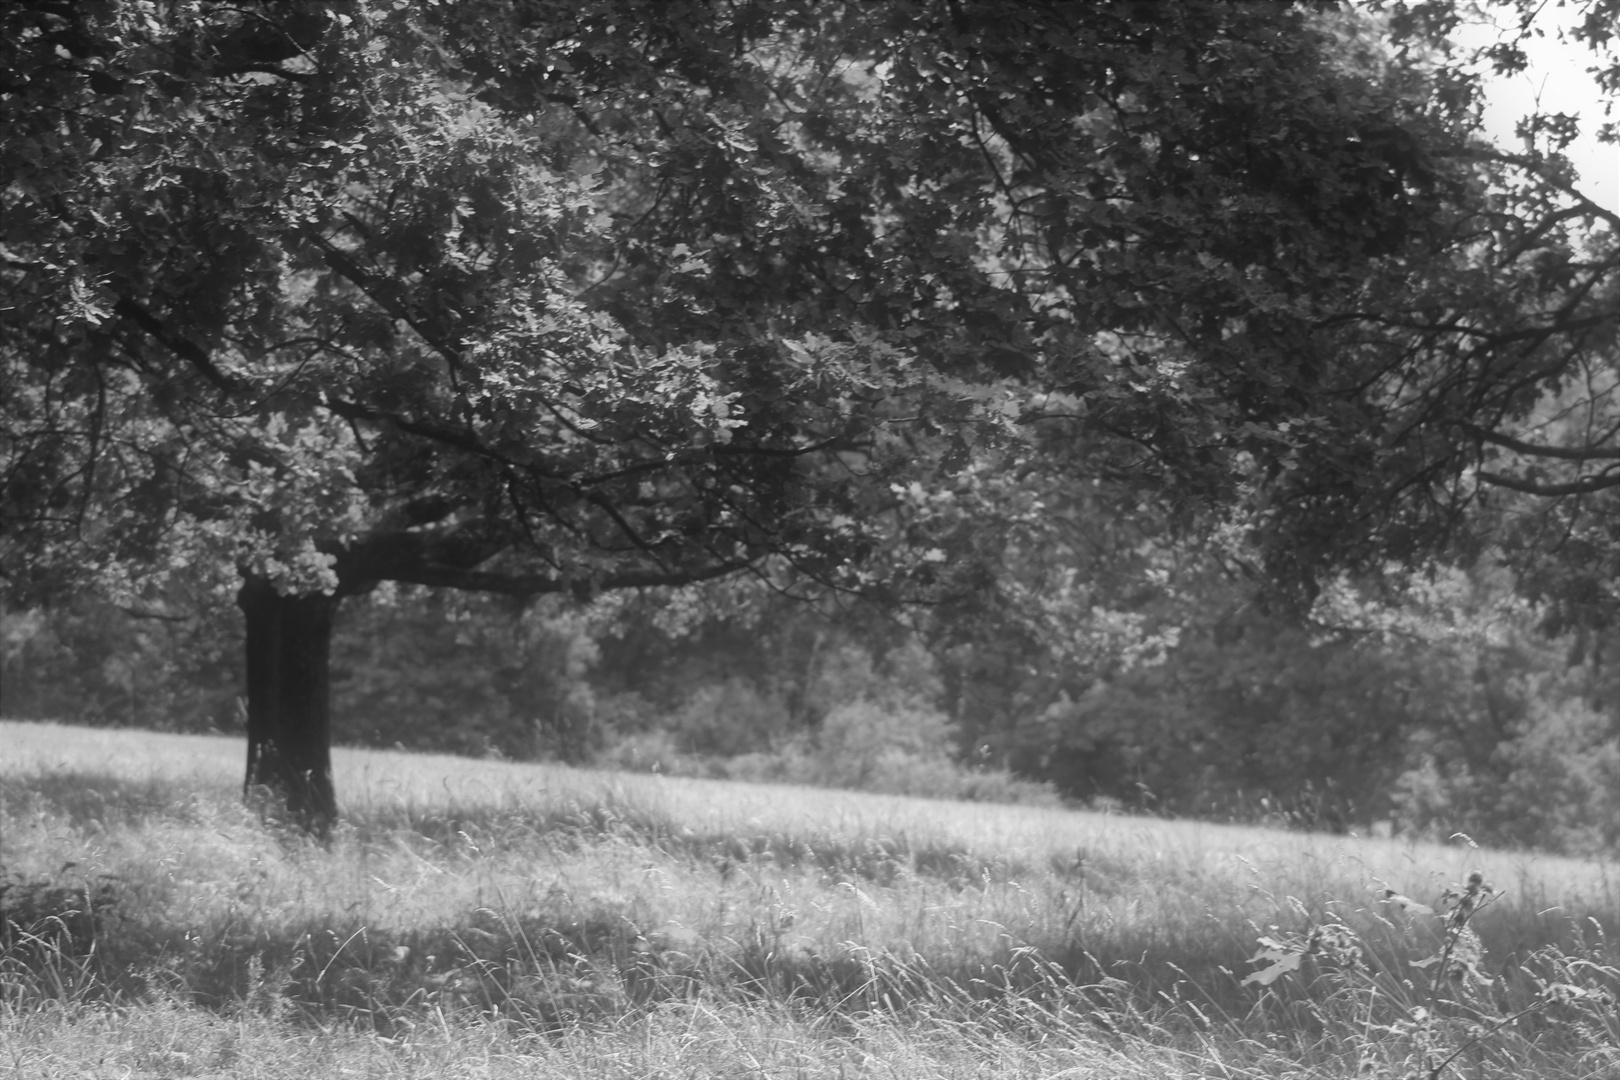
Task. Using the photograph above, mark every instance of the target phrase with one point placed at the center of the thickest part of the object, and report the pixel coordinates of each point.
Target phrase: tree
(1473, 405)
(299, 310)
(572, 297)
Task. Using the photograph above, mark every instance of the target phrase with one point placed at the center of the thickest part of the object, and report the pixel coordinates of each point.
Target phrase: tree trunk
(289, 641)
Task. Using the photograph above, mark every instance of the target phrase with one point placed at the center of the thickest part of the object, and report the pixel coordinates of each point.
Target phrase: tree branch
(522, 585)
(349, 268)
(1539, 170)
(459, 440)
(185, 349)
(1585, 486)
(1588, 453)
(269, 69)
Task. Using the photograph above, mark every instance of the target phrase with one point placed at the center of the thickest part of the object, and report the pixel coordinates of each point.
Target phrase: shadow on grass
(882, 860)
(557, 964)
(550, 972)
(98, 799)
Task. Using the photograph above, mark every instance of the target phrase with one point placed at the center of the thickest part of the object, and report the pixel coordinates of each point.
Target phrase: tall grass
(497, 911)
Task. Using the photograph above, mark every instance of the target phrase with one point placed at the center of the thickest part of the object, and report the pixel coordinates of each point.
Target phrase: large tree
(566, 297)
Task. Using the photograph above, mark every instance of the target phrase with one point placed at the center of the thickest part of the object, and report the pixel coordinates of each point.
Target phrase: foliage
(870, 727)
(1542, 468)
(1551, 784)
(1257, 714)
(1245, 709)
(299, 296)
(729, 718)
(88, 661)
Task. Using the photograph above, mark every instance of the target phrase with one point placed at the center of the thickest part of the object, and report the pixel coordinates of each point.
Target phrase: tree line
(1459, 716)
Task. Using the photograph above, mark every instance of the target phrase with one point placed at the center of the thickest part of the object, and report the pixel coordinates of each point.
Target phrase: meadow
(483, 918)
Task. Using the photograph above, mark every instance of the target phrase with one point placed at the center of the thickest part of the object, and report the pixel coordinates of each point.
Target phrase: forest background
(1463, 716)
(1269, 532)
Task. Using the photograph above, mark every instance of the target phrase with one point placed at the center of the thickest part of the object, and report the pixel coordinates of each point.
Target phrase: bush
(655, 751)
(900, 748)
(729, 718)
(856, 736)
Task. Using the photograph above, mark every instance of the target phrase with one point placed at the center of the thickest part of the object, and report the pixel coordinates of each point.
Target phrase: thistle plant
(1443, 1009)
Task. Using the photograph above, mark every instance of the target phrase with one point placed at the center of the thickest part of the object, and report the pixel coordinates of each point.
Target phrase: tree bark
(289, 718)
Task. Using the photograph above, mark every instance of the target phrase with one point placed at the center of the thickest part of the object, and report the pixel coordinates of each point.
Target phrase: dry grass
(479, 918)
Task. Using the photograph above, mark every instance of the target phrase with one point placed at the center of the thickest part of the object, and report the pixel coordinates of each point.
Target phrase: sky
(1557, 74)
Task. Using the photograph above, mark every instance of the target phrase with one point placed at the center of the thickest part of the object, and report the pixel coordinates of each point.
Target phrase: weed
(1425, 1015)
(49, 933)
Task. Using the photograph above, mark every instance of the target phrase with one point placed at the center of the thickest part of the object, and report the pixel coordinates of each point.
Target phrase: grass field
(477, 918)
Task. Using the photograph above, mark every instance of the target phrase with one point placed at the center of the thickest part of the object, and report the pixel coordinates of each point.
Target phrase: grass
(485, 918)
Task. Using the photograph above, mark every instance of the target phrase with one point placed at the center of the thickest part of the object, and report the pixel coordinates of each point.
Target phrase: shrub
(729, 718)
(655, 751)
(901, 748)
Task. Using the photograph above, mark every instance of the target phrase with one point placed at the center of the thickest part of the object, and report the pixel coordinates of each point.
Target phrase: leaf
(1282, 962)
(1405, 903)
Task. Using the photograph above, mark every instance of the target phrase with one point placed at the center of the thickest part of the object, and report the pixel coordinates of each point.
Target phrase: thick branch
(1585, 486)
(450, 560)
(270, 69)
(187, 350)
(401, 556)
(378, 288)
(521, 585)
(1584, 453)
(460, 440)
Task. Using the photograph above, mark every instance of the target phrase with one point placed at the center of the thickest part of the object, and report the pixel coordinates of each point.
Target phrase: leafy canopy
(576, 296)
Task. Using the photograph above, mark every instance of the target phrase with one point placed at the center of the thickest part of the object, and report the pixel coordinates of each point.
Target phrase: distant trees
(940, 301)
(1460, 716)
